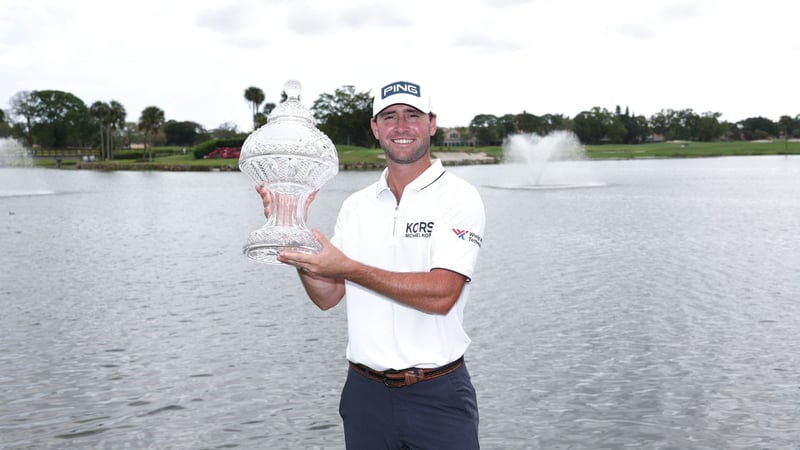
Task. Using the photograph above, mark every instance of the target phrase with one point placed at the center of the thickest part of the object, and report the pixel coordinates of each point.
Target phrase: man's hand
(330, 262)
(324, 274)
(266, 199)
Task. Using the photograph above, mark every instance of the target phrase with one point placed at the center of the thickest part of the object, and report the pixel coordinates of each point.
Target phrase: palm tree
(151, 120)
(116, 121)
(786, 123)
(256, 97)
(110, 117)
(101, 111)
(262, 117)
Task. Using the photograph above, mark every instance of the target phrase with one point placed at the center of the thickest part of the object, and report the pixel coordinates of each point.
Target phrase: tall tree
(759, 128)
(256, 97)
(101, 112)
(151, 121)
(507, 125)
(344, 116)
(553, 122)
(116, 121)
(529, 123)
(634, 132)
(5, 128)
(60, 119)
(487, 129)
(224, 131)
(786, 124)
(708, 127)
(23, 105)
(183, 133)
(263, 116)
(592, 127)
(110, 117)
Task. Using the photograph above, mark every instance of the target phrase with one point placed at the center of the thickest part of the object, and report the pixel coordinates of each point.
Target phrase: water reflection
(657, 312)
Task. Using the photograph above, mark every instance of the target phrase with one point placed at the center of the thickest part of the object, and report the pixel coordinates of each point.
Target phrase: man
(403, 253)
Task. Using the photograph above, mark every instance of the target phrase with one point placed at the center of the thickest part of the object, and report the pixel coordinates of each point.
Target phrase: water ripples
(657, 311)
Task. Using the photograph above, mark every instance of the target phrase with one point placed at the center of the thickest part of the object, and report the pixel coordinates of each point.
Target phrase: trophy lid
(292, 106)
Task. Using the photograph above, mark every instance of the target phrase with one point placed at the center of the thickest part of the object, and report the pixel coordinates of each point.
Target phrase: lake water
(624, 304)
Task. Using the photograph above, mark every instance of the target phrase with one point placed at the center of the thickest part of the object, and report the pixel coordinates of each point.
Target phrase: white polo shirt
(438, 223)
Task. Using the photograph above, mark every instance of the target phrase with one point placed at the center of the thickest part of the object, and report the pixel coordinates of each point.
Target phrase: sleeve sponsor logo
(466, 235)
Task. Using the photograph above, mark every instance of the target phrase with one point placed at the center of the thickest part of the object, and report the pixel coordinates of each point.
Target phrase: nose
(402, 121)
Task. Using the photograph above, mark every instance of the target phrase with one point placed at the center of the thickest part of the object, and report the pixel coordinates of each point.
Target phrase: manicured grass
(188, 159)
(692, 149)
(360, 157)
(350, 154)
(495, 151)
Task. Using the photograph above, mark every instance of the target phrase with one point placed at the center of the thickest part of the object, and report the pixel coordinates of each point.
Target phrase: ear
(374, 125)
(432, 129)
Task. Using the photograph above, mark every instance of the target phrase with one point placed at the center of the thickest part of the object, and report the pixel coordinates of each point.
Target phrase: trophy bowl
(292, 159)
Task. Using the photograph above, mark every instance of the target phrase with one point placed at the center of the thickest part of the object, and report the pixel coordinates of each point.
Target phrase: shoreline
(358, 159)
(447, 158)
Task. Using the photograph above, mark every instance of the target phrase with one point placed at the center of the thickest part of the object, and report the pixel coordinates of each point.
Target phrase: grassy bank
(354, 158)
(693, 149)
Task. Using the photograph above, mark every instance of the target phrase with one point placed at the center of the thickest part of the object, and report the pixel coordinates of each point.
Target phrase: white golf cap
(403, 92)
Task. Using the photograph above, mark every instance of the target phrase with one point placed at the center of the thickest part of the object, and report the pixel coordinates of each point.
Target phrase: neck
(400, 175)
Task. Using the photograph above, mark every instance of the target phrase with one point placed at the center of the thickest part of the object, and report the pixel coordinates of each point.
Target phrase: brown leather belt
(405, 377)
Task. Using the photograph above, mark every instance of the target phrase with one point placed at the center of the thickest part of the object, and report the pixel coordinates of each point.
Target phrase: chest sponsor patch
(466, 235)
(419, 229)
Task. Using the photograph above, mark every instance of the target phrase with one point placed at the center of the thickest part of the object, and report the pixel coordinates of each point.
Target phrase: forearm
(323, 292)
(323, 276)
(433, 292)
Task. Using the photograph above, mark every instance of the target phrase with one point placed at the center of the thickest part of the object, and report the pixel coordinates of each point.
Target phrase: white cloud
(194, 59)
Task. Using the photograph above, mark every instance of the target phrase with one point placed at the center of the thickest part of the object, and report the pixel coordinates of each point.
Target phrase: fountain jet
(555, 161)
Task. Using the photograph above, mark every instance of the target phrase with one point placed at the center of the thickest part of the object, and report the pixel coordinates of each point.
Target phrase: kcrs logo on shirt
(466, 235)
(419, 229)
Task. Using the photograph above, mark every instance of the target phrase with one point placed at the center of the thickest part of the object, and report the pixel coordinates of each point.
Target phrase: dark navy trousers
(436, 414)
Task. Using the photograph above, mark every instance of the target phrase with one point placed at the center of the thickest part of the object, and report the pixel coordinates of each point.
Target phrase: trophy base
(265, 244)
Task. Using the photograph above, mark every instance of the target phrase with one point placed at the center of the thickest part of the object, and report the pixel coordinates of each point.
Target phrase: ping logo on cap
(400, 87)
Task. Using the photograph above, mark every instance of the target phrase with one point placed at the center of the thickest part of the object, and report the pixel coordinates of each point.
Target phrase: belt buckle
(410, 376)
(413, 376)
(392, 382)
(388, 383)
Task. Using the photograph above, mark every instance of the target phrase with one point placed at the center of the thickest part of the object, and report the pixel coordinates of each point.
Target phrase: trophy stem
(286, 209)
(285, 229)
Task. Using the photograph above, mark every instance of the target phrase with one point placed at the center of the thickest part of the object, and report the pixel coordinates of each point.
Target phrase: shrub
(207, 147)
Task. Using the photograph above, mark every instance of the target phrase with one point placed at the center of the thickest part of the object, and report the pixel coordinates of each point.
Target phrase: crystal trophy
(292, 158)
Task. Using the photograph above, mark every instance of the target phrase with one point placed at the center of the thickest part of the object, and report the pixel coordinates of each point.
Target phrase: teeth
(403, 141)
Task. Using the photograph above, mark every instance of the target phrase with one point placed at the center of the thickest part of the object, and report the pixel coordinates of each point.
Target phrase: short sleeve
(458, 235)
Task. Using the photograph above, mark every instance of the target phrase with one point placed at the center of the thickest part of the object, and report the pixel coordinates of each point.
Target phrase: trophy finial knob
(292, 89)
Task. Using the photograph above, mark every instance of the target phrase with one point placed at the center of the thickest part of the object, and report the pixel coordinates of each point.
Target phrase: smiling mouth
(402, 141)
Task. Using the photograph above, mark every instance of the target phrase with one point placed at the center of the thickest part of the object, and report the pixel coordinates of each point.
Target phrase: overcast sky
(194, 58)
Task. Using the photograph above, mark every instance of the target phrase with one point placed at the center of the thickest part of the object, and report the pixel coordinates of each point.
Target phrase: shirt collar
(425, 179)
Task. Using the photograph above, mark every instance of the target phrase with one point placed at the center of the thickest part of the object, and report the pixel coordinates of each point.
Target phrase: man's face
(404, 133)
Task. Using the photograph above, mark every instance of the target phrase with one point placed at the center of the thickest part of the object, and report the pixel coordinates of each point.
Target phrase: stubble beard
(415, 156)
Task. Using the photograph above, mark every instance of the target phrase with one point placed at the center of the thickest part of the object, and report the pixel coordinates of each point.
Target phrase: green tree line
(57, 119)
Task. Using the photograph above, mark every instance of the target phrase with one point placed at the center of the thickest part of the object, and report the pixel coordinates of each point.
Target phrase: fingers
(320, 237)
(266, 198)
(296, 259)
